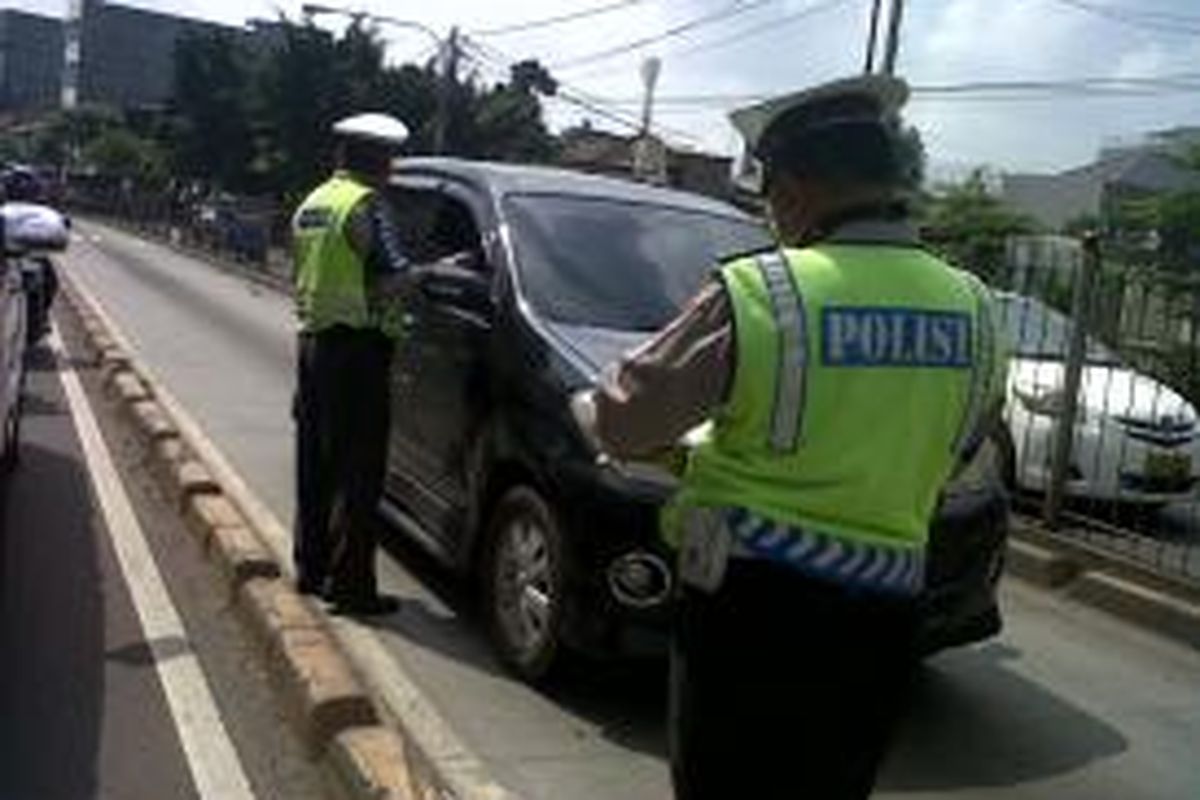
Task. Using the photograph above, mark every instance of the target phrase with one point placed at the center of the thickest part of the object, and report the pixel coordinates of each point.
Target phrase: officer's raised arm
(668, 386)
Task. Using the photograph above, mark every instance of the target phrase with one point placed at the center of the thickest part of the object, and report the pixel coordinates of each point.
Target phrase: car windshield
(1037, 331)
(620, 265)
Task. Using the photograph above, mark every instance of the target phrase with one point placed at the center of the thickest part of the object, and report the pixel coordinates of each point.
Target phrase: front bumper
(1108, 461)
(612, 521)
(966, 558)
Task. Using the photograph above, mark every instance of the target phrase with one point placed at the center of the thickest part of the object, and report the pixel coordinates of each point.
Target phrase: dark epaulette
(740, 254)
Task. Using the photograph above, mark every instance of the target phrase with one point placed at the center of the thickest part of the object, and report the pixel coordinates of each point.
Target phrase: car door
(12, 337)
(439, 376)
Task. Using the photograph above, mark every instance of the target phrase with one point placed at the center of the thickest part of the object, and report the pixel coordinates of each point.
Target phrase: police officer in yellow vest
(845, 375)
(349, 264)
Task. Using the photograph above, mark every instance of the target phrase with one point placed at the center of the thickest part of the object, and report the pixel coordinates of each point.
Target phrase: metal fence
(1116, 460)
(247, 230)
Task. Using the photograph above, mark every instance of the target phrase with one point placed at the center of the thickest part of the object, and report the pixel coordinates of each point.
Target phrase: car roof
(509, 179)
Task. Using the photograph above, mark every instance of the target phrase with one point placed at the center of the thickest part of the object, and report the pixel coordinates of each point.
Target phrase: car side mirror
(27, 228)
(449, 282)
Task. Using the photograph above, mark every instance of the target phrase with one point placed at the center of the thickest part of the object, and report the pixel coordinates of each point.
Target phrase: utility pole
(872, 35)
(449, 78)
(649, 154)
(892, 48)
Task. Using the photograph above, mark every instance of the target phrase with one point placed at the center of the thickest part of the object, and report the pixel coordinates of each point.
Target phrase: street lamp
(448, 49)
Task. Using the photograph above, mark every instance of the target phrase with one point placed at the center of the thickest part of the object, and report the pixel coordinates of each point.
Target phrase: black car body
(13, 337)
(531, 281)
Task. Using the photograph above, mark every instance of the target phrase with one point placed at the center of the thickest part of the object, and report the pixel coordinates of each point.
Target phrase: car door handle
(443, 292)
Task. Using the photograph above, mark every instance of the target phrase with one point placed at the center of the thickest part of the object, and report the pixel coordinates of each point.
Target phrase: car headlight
(659, 471)
(1048, 403)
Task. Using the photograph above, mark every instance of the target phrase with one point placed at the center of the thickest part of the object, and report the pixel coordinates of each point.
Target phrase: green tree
(295, 106)
(508, 121)
(210, 132)
(119, 152)
(969, 225)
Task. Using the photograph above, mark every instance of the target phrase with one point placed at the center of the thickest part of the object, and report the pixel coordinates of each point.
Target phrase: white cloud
(945, 41)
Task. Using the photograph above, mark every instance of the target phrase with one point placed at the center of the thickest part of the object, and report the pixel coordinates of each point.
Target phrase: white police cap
(886, 92)
(378, 128)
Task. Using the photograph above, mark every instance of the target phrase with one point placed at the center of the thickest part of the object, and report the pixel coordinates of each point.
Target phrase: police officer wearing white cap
(349, 268)
(846, 374)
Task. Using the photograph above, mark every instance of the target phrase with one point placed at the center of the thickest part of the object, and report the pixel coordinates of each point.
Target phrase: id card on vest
(705, 550)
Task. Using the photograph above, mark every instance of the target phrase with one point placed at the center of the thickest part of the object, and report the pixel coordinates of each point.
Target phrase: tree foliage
(210, 129)
(968, 224)
(120, 152)
(262, 122)
(1160, 229)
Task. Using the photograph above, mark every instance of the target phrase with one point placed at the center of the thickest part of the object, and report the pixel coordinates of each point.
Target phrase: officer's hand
(583, 409)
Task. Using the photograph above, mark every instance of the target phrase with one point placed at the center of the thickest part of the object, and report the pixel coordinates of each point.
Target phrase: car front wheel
(523, 583)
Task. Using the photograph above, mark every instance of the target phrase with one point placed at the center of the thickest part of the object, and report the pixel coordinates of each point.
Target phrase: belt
(854, 564)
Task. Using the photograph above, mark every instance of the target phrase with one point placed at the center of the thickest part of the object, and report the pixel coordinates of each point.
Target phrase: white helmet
(377, 128)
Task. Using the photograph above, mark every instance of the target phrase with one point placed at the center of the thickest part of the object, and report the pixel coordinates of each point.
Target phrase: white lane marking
(410, 708)
(213, 760)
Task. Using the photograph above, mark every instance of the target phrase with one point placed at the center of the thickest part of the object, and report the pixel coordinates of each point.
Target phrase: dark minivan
(532, 280)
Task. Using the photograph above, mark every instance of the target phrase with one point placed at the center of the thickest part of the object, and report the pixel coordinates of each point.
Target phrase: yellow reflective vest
(862, 374)
(331, 277)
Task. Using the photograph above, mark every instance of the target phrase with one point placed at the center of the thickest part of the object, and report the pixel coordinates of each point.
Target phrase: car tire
(523, 584)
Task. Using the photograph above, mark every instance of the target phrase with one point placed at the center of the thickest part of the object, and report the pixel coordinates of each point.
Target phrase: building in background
(31, 55)
(123, 56)
(1118, 174)
(590, 150)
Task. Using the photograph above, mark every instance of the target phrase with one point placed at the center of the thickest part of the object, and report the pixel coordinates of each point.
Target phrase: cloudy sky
(778, 45)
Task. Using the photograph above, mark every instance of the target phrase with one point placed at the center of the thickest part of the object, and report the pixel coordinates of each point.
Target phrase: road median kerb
(1139, 604)
(322, 687)
(151, 421)
(1105, 581)
(333, 710)
(164, 457)
(371, 762)
(191, 478)
(309, 666)
(240, 554)
(124, 386)
(205, 513)
(1039, 565)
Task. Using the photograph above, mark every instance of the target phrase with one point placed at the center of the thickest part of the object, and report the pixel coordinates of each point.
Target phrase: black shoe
(381, 605)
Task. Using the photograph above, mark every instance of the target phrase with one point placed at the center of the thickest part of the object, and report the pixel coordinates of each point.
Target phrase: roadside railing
(1103, 396)
(248, 231)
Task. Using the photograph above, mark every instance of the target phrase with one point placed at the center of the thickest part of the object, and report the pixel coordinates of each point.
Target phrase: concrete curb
(1105, 581)
(236, 268)
(334, 713)
(1140, 604)
(1039, 565)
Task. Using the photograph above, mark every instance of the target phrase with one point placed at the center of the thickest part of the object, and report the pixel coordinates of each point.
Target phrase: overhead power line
(594, 11)
(770, 26)
(734, 9)
(573, 95)
(767, 28)
(999, 90)
(1159, 21)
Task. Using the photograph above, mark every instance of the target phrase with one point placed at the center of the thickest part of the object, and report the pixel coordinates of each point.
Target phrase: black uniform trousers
(784, 687)
(342, 419)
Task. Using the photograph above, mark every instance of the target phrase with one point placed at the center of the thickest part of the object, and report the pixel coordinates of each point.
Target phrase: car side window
(436, 226)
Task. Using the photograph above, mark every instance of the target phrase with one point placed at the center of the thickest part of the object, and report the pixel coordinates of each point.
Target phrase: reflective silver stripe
(787, 306)
(981, 370)
(897, 570)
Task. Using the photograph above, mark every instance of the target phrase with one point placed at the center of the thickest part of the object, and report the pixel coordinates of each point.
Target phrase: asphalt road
(111, 686)
(1067, 704)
